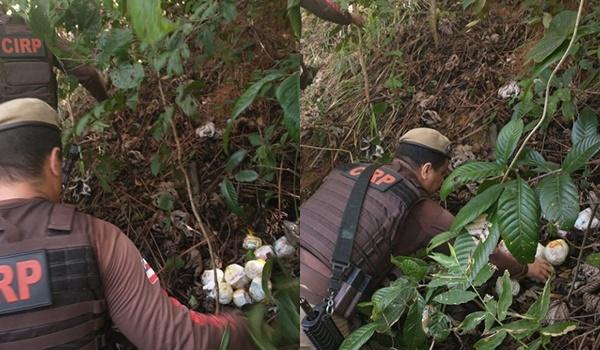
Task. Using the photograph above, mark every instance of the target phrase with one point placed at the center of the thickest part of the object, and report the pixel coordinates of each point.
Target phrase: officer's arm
(87, 75)
(141, 309)
(327, 10)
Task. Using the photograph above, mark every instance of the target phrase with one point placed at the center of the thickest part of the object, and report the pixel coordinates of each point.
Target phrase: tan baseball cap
(27, 111)
(428, 138)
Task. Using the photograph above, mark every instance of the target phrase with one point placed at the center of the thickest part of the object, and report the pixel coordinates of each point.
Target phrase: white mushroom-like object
(254, 268)
(264, 252)
(208, 279)
(283, 248)
(539, 252)
(256, 290)
(556, 252)
(515, 287)
(241, 298)
(225, 293)
(236, 276)
(583, 220)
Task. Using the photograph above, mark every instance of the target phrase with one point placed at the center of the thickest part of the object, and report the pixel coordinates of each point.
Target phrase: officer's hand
(539, 270)
(357, 19)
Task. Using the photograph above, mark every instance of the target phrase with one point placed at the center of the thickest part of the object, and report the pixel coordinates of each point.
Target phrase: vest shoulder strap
(61, 219)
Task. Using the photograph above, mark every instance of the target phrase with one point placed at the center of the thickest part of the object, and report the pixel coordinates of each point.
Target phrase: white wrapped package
(583, 220)
(241, 298)
(283, 248)
(236, 276)
(254, 268)
(225, 293)
(264, 252)
(208, 279)
(256, 291)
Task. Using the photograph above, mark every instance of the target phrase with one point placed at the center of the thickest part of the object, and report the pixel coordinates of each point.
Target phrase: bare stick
(539, 124)
(191, 198)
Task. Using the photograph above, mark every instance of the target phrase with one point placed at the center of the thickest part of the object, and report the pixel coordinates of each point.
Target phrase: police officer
(417, 170)
(330, 11)
(26, 65)
(66, 276)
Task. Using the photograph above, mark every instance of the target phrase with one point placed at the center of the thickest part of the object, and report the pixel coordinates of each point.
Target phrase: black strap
(340, 260)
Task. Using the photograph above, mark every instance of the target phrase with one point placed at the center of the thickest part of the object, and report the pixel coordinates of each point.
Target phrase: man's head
(429, 150)
(30, 156)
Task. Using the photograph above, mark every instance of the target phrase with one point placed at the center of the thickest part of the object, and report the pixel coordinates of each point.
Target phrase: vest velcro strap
(55, 242)
(61, 218)
(34, 319)
(55, 339)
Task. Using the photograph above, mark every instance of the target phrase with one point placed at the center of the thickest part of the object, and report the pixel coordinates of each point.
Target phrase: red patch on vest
(21, 45)
(382, 179)
(24, 282)
(152, 277)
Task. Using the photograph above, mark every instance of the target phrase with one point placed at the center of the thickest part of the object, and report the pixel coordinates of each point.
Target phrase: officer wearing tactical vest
(26, 65)
(346, 240)
(66, 276)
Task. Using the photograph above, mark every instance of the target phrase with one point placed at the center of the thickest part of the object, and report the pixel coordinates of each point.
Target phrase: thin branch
(539, 124)
(585, 235)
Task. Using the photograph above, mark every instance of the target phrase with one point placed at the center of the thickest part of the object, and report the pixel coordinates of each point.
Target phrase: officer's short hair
(421, 155)
(24, 150)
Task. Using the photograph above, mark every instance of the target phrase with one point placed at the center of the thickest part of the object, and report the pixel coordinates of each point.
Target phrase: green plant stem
(539, 124)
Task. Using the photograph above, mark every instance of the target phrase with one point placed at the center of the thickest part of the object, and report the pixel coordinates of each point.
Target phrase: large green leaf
(147, 20)
(113, 43)
(455, 297)
(413, 336)
(561, 26)
(389, 302)
(359, 337)
(412, 267)
(508, 139)
(534, 159)
(127, 76)
(293, 12)
(469, 172)
(244, 102)
(476, 206)
(581, 153)
(235, 160)
(505, 298)
(559, 199)
(585, 126)
(472, 320)
(521, 329)
(518, 218)
(540, 307)
(491, 342)
(464, 246)
(482, 252)
(288, 95)
(437, 324)
(230, 196)
(560, 328)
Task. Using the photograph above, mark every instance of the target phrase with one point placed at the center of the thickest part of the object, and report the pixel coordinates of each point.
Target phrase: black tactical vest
(25, 64)
(50, 290)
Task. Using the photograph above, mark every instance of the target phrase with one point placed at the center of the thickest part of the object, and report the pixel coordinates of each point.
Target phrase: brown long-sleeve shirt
(327, 10)
(137, 304)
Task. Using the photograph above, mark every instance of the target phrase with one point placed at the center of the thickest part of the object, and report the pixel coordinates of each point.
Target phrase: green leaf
(518, 218)
(230, 196)
(411, 267)
(472, 320)
(359, 337)
(39, 19)
(482, 252)
(522, 328)
(244, 102)
(440, 239)
(469, 172)
(593, 259)
(505, 298)
(225, 339)
(147, 20)
(581, 153)
(533, 158)
(288, 95)
(491, 342)
(293, 12)
(156, 164)
(585, 126)
(476, 206)
(265, 278)
(165, 202)
(246, 176)
(389, 302)
(540, 307)
(113, 43)
(127, 76)
(484, 275)
(559, 200)
(455, 297)
(559, 328)
(438, 325)
(561, 26)
(464, 245)
(491, 307)
(413, 336)
(508, 140)
(235, 160)
(440, 280)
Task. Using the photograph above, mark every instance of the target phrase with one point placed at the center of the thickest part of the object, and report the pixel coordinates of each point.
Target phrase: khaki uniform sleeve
(327, 10)
(142, 310)
(87, 75)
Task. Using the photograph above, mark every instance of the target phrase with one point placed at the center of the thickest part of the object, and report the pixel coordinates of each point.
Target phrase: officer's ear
(55, 162)
(425, 170)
